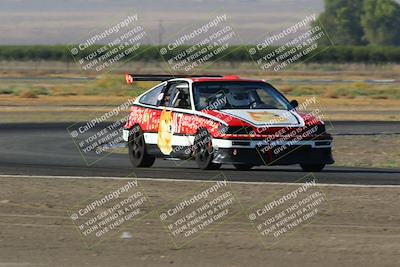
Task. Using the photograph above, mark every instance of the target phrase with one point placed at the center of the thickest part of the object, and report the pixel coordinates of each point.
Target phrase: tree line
(332, 54)
(362, 22)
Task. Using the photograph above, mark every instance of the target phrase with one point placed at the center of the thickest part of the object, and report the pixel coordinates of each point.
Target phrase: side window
(180, 97)
(177, 96)
(166, 101)
(151, 98)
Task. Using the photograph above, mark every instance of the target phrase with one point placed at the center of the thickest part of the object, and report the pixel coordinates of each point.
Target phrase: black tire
(137, 149)
(312, 167)
(203, 151)
(243, 167)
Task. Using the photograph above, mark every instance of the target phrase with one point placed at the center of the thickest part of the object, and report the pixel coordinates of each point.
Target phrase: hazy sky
(65, 21)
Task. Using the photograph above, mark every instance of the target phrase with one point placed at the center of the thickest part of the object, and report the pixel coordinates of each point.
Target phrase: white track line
(188, 180)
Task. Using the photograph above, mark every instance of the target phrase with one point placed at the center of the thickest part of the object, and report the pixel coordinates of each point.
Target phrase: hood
(266, 117)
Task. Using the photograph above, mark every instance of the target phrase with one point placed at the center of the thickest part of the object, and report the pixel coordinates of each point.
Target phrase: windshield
(237, 95)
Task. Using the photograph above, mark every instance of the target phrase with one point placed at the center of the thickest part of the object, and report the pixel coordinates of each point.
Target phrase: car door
(176, 105)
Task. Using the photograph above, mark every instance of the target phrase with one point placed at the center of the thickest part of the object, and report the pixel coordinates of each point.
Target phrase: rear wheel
(243, 167)
(137, 149)
(312, 167)
(204, 151)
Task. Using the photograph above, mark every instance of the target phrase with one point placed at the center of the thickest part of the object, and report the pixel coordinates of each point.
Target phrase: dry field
(359, 228)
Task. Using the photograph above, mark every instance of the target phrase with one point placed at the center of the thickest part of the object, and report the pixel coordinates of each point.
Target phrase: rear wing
(130, 78)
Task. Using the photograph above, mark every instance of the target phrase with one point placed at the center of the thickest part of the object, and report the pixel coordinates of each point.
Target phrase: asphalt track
(47, 149)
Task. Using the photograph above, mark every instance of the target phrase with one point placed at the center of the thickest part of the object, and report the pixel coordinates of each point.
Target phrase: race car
(217, 120)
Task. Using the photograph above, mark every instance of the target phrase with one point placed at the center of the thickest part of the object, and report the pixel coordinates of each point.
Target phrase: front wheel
(312, 167)
(204, 151)
(137, 149)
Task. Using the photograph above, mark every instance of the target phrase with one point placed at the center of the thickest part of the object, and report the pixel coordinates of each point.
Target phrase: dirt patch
(360, 228)
(367, 151)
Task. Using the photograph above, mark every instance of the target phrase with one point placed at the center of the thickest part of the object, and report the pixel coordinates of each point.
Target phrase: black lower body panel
(256, 156)
(286, 156)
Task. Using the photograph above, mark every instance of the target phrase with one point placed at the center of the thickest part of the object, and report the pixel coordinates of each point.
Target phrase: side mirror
(294, 104)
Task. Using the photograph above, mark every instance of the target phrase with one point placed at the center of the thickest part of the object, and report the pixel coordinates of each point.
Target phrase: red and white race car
(222, 120)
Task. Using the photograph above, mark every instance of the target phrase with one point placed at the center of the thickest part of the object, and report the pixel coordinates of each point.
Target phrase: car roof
(230, 78)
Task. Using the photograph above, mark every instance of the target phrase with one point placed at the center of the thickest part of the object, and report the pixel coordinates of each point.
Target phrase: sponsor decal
(273, 117)
(165, 132)
(266, 116)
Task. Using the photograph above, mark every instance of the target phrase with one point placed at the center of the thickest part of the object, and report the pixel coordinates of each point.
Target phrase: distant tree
(341, 19)
(381, 22)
